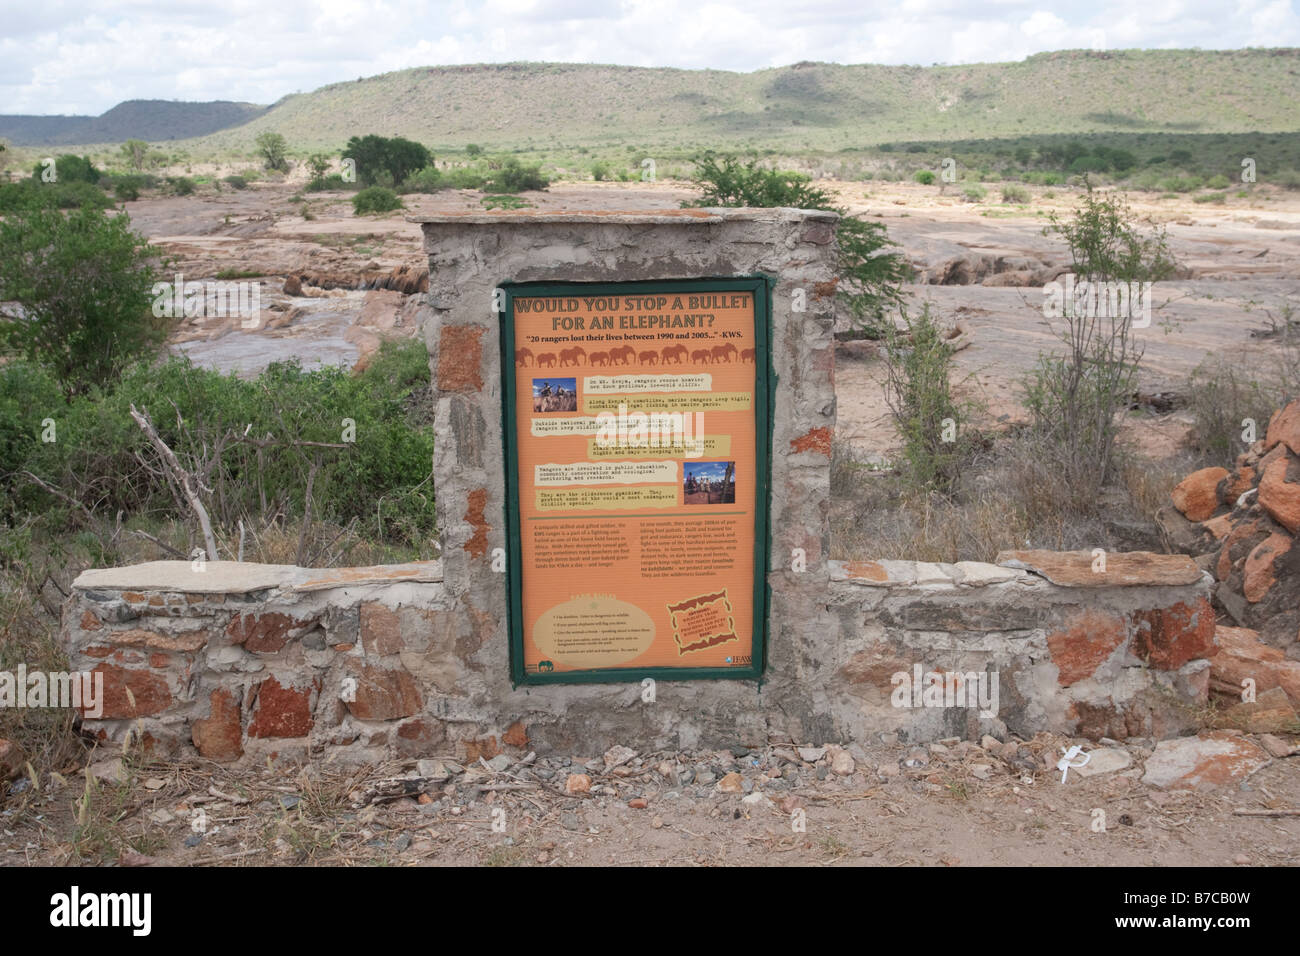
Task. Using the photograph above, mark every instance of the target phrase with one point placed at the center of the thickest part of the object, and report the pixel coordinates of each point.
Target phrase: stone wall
(243, 661)
(1116, 653)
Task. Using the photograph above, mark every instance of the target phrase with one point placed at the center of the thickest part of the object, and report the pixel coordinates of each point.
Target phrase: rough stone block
(1170, 637)
(1087, 638)
(220, 735)
(282, 710)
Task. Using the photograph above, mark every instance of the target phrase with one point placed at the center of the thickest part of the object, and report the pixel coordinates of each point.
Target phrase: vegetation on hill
(804, 107)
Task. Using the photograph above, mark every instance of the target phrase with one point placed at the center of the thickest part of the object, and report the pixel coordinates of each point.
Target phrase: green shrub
(236, 182)
(426, 180)
(375, 199)
(599, 171)
(134, 151)
(1210, 197)
(272, 146)
(974, 193)
(1088, 164)
(70, 169)
(870, 275)
(463, 177)
(180, 185)
(1180, 184)
(1074, 395)
(727, 181)
(32, 192)
(1218, 181)
(83, 280)
(1016, 194)
(379, 480)
(127, 188)
(333, 182)
(918, 363)
(504, 202)
(1287, 179)
(1121, 160)
(395, 156)
(513, 177)
(319, 164)
(924, 177)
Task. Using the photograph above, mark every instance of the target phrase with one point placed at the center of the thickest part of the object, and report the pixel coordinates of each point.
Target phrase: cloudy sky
(59, 57)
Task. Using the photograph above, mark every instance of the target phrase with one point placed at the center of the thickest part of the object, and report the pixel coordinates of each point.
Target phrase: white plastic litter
(1064, 763)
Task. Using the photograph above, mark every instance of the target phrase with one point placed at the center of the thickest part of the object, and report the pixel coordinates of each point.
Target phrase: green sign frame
(764, 390)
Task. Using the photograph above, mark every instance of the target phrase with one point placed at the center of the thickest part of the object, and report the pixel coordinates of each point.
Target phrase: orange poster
(637, 476)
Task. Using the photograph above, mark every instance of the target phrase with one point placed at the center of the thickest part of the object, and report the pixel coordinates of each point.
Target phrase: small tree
(918, 361)
(514, 177)
(135, 151)
(82, 281)
(272, 146)
(871, 276)
(319, 164)
(70, 168)
(1074, 396)
(394, 155)
(375, 199)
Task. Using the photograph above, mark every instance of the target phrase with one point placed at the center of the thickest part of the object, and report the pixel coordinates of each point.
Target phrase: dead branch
(162, 544)
(64, 496)
(306, 513)
(188, 483)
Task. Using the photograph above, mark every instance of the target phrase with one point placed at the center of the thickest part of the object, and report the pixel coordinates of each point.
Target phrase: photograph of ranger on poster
(709, 483)
(555, 395)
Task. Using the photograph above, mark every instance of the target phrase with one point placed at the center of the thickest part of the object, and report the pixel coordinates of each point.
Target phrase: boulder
(1279, 491)
(1284, 428)
(1196, 496)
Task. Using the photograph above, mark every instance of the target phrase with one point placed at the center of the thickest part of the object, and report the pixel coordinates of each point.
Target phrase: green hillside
(808, 106)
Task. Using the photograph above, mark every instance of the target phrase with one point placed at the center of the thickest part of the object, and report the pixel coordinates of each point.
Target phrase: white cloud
(55, 58)
(1043, 24)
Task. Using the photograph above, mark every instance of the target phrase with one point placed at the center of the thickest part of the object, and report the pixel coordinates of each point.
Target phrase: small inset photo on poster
(555, 395)
(709, 483)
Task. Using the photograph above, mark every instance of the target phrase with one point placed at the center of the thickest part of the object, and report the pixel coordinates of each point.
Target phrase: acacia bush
(245, 436)
(82, 281)
(1075, 394)
(871, 274)
(426, 180)
(514, 177)
(383, 160)
(918, 366)
(375, 199)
